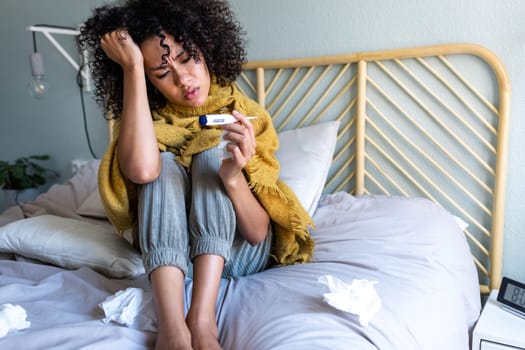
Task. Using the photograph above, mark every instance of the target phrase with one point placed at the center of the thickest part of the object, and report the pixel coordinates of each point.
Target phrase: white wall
(275, 29)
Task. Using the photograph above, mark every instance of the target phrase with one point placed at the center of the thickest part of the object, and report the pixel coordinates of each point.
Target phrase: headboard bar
(501, 181)
(424, 51)
(360, 128)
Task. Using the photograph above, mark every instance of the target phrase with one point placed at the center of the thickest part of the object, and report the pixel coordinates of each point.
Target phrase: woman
(158, 66)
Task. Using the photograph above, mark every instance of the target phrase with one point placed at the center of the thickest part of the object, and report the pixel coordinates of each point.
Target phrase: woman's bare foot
(169, 340)
(204, 335)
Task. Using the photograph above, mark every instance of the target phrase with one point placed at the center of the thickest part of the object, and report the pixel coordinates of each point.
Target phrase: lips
(190, 94)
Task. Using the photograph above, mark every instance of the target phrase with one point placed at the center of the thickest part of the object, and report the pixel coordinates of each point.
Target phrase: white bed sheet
(416, 252)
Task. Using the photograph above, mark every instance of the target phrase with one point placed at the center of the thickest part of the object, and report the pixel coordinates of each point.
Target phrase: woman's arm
(252, 218)
(138, 152)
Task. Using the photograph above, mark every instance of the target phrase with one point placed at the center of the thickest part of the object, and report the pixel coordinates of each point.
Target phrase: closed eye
(183, 57)
(161, 71)
(163, 74)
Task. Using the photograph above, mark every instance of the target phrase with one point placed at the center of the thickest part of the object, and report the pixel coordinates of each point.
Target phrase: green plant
(25, 173)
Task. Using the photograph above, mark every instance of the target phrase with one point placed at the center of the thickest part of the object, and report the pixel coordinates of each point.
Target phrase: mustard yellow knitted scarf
(178, 131)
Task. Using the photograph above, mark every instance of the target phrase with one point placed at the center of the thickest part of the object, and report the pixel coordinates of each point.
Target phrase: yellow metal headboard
(429, 121)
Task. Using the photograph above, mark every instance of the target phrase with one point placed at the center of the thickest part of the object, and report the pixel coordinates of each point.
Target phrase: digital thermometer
(218, 119)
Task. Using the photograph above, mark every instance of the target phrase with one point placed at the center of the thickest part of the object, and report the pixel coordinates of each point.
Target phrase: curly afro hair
(206, 25)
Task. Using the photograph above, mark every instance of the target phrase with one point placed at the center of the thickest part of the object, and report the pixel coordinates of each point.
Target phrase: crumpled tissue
(12, 317)
(359, 298)
(222, 147)
(132, 307)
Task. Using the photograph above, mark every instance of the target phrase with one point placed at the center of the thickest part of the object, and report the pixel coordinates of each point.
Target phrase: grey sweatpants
(182, 216)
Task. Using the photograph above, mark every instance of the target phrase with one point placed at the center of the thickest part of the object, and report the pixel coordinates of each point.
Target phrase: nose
(181, 76)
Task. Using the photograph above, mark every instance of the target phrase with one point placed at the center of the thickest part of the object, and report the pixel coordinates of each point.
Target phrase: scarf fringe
(263, 189)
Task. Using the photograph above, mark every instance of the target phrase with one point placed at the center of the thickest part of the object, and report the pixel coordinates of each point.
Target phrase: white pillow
(92, 206)
(72, 244)
(305, 155)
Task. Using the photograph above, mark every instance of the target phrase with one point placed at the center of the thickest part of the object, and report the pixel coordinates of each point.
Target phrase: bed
(400, 156)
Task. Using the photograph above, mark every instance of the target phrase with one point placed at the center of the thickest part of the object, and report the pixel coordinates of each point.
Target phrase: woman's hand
(120, 47)
(241, 137)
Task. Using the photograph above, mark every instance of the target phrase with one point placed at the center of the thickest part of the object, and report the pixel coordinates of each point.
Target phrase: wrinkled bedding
(413, 250)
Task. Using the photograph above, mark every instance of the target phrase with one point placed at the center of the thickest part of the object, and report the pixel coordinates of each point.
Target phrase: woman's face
(179, 79)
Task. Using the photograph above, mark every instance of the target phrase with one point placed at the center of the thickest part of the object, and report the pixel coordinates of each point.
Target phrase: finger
(122, 34)
(105, 38)
(243, 120)
(242, 138)
(238, 156)
(246, 124)
(109, 40)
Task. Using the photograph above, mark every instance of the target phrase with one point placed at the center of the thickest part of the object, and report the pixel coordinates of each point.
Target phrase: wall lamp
(38, 86)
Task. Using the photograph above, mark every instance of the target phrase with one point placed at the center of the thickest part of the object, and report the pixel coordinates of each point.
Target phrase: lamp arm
(47, 31)
(53, 30)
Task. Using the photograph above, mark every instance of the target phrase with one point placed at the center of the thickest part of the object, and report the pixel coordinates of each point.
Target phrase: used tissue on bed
(12, 318)
(359, 297)
(132, 307)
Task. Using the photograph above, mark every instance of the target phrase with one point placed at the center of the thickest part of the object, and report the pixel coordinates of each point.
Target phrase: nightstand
(497, 328)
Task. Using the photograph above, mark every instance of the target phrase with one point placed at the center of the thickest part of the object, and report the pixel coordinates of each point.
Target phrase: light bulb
(37, 86)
